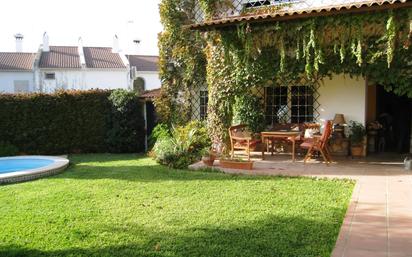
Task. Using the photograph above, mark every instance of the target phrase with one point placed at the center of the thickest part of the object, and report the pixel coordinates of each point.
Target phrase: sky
(96, 22)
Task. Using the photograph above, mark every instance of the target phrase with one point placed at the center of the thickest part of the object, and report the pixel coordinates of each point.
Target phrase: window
(290, 104)
(139, 85)
(204, 99)
(21, 86)
(50, 75)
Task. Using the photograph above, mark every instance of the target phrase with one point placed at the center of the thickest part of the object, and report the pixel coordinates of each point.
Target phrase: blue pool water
(14, 165)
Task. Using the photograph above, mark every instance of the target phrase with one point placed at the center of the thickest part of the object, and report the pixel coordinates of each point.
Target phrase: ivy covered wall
(239, 57)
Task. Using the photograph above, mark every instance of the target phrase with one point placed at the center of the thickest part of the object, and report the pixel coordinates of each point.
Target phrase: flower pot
(208, 160)
(239, 165)
(357, 151)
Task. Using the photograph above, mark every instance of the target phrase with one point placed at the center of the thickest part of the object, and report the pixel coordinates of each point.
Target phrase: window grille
(236, 8)
(259, 3)
(204, 99)
(291, 104)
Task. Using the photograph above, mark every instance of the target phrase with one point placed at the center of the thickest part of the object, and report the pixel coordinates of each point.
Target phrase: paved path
(379, 219)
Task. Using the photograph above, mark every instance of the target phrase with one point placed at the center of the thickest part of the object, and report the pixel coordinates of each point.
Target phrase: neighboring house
(359, 99)
(75, 68)
(80, 68)
(16, 72)
(145, 71)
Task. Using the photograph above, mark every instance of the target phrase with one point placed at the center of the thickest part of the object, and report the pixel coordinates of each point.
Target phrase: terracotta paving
(379, 219)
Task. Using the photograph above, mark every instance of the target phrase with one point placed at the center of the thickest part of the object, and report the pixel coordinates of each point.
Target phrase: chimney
(115, 48)
(46, 47)
(19, 42)
(81, 52)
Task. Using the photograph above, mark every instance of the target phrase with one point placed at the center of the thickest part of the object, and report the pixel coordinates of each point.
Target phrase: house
(80, 68)
(16, 69)
(16, 72)
(362, 98)
(75, 68)
(145, 71)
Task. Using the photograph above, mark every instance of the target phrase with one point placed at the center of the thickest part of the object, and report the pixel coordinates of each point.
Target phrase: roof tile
(144, 62)
(299, 9)
(102, 57)
(61, 57)
(17, 61)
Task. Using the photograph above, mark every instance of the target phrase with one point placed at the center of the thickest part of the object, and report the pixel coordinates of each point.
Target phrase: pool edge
(57, 167)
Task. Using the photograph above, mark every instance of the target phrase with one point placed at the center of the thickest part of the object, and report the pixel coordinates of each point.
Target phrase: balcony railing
(233, 8)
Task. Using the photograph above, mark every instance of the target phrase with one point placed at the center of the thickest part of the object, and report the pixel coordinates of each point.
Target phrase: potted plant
(357, 138)
(208, 156)
(239, 164)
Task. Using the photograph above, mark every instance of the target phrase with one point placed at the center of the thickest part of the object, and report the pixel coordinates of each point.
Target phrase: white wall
(343, 94)
(64, 79)
(105, 79)
(7, 80)
(84, 80)
(151, 78)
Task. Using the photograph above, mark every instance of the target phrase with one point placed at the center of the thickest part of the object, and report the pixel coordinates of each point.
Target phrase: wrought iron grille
(289, 103)
(237, 7)
(283, 103)
(204, 99)
(198, 101)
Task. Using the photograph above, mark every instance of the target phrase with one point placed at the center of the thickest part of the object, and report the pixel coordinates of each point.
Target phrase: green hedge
(72, 122)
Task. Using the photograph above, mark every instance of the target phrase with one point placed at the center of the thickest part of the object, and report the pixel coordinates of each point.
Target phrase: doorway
(395, 114)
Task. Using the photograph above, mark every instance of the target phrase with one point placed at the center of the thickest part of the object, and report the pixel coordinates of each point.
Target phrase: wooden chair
(241, 139)
(319, 144)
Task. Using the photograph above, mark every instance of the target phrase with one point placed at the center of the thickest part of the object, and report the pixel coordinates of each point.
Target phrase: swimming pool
(23, 168)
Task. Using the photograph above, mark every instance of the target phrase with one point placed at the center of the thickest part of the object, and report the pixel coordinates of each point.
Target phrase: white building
(16, 69)
(16, 72)
(75, 68)
(145, 71)
(80, 68)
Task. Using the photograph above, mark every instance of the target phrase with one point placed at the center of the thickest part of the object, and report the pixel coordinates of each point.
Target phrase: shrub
(357, 132)
(183, 146)
(160, 131)
(7, 149)
(70, 122)
(126, 129)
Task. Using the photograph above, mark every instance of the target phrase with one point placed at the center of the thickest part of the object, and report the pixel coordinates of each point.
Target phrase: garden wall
(72, 122)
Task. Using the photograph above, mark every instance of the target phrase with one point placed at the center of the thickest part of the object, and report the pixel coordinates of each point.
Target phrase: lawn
(126, 205)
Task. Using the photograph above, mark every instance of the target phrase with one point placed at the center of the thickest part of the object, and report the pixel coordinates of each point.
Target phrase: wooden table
(290, 135)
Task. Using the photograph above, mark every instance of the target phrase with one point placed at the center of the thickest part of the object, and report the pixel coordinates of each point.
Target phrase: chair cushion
(306, 145)
(298, 138)
(243, 143)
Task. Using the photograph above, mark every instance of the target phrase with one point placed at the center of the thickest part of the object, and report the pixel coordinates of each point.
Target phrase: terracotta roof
(102, 57)
(151, 93)
(306, 8)
(17, 61)
(61, 57)
(144, 62)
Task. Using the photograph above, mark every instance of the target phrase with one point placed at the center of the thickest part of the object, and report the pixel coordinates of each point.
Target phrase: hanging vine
(374, 45)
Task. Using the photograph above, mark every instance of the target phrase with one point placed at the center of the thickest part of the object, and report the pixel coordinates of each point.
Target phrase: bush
(7, 149)
(126, 129)
(183, 146)
(160, 131)
(71, 122)
(357, 132)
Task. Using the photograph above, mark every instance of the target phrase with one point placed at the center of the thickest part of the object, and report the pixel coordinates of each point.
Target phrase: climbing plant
(182, 61)
(375, 45)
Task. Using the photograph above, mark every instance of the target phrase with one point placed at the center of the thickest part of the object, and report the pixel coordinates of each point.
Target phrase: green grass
(125, 205)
